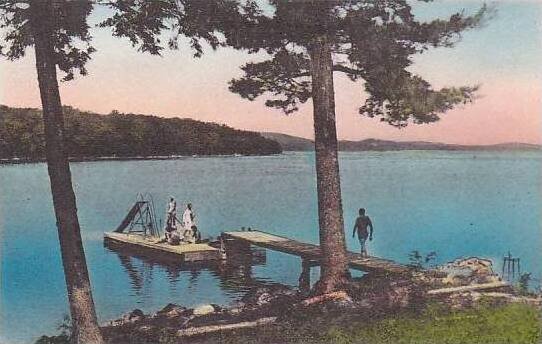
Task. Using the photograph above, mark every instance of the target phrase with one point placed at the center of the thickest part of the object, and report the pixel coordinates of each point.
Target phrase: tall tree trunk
(84, 322)
(330, 213)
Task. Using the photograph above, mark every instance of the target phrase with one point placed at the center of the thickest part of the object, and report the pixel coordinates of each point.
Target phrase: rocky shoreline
(370, 294)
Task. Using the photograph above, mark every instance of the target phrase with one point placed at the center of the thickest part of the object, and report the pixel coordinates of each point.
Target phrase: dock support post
(235, 245)
(305, 277)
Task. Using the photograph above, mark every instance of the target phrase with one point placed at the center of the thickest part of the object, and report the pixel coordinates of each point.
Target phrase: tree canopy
(71, 41)
(373, 41)
(145, 23)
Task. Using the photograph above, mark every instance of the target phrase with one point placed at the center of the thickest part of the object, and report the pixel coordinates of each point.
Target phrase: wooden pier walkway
(311, 252)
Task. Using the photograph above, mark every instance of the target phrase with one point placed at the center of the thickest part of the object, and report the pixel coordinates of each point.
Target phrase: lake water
(454, 203)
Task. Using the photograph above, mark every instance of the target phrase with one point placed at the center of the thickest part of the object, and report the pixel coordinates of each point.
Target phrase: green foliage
(513, 324)
(523, 283)
(63, 337)
(59, 339)
(144, 22)
(125, 135)
(371, 40)
(21, 20)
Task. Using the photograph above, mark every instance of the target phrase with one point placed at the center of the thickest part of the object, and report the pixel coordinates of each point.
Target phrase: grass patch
(492, 325)
(510, 324)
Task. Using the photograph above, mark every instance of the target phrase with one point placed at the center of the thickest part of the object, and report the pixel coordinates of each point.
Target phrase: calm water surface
(454, 203)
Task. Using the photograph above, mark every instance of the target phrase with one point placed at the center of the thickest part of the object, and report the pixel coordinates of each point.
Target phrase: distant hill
(294, 143)
(90, 135)
(290, 143)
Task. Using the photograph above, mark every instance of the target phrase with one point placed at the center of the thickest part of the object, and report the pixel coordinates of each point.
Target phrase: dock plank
(313, 252)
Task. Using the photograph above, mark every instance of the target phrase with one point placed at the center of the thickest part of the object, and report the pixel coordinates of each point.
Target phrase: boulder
(269, 294)
(386, 292)
(133, 316)
(204, 310)
(466, 271)
(235, 310)
(136, 314)
(172, 310)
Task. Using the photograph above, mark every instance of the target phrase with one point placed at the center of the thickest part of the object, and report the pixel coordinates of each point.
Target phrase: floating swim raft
(149, 244)
(139, 232)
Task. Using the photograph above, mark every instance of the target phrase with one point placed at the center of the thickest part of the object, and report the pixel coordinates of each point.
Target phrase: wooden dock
(311, 252)
(183, 252)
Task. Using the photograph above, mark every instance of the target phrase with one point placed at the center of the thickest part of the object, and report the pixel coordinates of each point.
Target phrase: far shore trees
(58, 31)
(373, 41)
(89, 135)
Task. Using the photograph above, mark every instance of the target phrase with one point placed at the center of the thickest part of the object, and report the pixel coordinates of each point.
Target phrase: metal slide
(130, 217)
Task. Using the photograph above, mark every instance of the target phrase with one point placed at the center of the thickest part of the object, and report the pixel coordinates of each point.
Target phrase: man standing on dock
(362, 222)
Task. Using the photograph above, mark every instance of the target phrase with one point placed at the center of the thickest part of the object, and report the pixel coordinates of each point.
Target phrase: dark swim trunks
(362, 223)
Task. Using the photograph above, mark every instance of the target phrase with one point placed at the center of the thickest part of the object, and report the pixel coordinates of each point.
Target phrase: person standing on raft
(171, 213)
(188, 217)
(362, 222)
(171, 216)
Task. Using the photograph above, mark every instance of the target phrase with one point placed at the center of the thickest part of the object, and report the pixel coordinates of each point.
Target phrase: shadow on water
(235, 275)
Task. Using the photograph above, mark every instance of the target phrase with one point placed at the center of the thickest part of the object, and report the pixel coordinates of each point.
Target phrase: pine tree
(59, 32)
(57, 29)
(368, 40)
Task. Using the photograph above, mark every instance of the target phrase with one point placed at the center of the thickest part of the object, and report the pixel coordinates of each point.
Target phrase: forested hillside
(90, 135)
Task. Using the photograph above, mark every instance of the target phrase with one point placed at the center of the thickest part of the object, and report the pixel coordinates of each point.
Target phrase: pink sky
(509, 108)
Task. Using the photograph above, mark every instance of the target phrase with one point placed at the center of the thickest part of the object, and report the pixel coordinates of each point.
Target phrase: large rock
(135, 315)
(468, 271)
(262, 296)
(172, 310)
(386, 292)
(204, 310)
(132, 317)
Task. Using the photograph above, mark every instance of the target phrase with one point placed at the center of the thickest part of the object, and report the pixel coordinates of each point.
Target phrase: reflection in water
(135, 275)
(194, 273)
(234, 274)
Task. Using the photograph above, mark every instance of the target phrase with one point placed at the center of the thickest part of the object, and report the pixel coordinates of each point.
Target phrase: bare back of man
(362, 223)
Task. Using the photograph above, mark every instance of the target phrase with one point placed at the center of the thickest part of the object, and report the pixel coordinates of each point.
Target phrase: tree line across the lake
(90, 135)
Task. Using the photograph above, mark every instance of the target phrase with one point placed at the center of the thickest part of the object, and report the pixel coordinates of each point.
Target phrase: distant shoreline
(17, 161)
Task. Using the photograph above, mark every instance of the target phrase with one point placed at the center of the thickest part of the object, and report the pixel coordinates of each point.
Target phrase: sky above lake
(502, 57)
